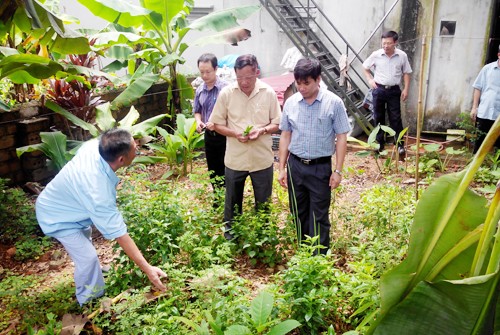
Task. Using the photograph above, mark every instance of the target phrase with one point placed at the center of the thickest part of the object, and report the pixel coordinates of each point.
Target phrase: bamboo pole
(419, 113)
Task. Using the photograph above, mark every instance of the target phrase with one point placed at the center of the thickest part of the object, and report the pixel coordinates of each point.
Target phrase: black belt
(212, 133)
(387, 87)
(312, 161)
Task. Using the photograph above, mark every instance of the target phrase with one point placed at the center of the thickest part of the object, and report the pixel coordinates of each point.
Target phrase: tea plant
(258, 235)
(202, 245)
(309, 288)
(372, 240)
(155, 225)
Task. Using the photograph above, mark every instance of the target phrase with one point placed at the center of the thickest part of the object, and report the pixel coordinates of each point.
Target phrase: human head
(246, 68)
(307, 74)
(389, 41)
(117, 147)
(307, 67)
(207, 65)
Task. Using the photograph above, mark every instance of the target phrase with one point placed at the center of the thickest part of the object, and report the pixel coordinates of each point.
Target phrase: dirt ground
(360, 173)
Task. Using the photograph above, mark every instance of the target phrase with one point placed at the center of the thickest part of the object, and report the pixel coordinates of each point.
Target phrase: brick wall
(22, 126)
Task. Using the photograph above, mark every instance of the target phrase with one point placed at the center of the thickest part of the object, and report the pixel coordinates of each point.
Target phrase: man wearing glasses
(247, 113)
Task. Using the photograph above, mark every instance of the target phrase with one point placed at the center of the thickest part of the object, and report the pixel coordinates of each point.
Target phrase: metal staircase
(299, 21)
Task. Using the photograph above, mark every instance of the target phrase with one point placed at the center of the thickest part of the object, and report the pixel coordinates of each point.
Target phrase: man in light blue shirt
(486, 101)
(314, 126)
(84, 193)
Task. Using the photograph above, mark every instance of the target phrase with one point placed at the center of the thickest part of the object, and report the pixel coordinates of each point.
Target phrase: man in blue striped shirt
(314, 126)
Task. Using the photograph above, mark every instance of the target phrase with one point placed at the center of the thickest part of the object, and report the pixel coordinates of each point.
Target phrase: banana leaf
(134, 91)
(223, 19)
(55, 146)
(120, 12)
(73, 118)
(445, 307)
(451, 273)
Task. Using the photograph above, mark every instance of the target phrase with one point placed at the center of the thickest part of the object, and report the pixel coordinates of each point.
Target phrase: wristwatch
(339, 172)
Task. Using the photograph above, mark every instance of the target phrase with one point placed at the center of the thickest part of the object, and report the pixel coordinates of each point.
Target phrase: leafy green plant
(105, 120)
(19, 293)
(465, 122)
(55, 146)
(247, 130)
(19, 226)
(77, 93)
(258, 235)
(200, 245)
(309, 288)
(372, 147)
(260, 312)
(32, 247)
(154, 35)
(179, 147)
(155, 225)
(453, 257)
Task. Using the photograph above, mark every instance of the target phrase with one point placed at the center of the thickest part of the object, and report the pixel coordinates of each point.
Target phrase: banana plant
(55, 145)
(179, 147)
(450, 281)
(153, 33)
(105, 120)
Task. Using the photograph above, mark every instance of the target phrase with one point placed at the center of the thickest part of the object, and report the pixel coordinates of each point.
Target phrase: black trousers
(262, 183)
(215, 149)
(484, 125)
(387, 101)
(310, 196)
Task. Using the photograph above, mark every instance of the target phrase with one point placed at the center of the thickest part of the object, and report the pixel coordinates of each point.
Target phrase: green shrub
(309, 289)
(18, 224)
(152, 213)
(258, 235)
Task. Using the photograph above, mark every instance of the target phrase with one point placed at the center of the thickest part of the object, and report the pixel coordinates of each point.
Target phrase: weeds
(19, 225)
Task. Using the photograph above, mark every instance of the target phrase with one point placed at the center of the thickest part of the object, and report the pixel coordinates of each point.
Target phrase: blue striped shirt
(314, 126)
(204, 100)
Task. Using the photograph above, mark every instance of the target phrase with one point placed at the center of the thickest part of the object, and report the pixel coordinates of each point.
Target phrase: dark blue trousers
(310, 196)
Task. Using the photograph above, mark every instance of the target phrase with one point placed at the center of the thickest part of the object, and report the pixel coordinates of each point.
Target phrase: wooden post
(419, 113)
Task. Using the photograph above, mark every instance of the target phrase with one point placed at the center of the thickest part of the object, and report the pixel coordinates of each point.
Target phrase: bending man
(84, 193)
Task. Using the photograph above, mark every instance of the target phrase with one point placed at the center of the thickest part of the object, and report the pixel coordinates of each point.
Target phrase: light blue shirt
(314, 126)
(81, 194)
(488, 82)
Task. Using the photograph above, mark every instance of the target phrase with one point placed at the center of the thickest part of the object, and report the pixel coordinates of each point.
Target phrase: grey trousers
(89, 281)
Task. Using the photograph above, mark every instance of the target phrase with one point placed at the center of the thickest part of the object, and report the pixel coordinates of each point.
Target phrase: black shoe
(401, 151)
